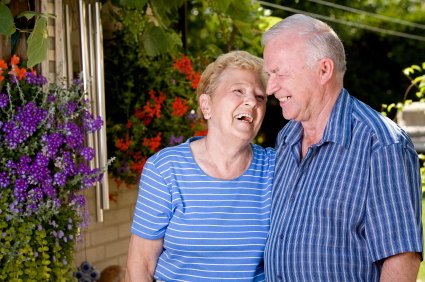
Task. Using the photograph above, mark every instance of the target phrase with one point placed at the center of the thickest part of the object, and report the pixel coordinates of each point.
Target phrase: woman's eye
(239, 90)
(261, 98)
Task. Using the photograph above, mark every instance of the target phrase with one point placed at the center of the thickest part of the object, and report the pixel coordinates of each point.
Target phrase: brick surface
(123, 261)
(101, 265)
(95, 225)
(116, 216)
(124, 230)
(104, 235)
(128, 197)
(94, 254)
(118, 248)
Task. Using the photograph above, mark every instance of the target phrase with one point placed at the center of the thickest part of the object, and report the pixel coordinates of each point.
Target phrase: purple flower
(35, 254)
(69, 226)
(52, 98)
(54, 258)
(59, 179)
(57, 244)
(21, 186)
(4, 179)
(65, 239)
(174, 140)
(76, 81)
(55, 233)
(69, 220)
(40, 228)
(4, 99)
(4, 234)
(173, 81)
(71, 236)
(61, 234)
(64, 262)
(87, 153)
(53, 223)
(193, 116)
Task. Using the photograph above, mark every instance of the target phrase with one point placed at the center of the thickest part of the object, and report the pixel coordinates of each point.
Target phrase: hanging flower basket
(43, 168)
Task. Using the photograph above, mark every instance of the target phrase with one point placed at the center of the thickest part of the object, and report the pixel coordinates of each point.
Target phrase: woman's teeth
(284, 99)
(245, 117)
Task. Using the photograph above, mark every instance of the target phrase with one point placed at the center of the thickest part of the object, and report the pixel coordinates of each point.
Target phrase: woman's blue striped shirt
(214, 230)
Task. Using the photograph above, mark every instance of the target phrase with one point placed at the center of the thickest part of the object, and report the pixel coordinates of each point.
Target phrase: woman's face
(239, 104)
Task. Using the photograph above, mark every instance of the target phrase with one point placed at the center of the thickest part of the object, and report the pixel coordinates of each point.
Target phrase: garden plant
(43, 169)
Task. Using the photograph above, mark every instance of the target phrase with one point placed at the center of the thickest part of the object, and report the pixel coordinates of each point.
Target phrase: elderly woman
(203, 210)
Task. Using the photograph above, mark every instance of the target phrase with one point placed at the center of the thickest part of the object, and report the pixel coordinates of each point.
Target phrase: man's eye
(238, 90)
(261, 98)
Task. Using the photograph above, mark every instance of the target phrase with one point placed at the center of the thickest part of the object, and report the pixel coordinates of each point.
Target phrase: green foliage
(38, 43)
(6, 23)
(40, 227)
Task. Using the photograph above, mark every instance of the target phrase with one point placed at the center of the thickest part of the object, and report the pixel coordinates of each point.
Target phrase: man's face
(296, 88)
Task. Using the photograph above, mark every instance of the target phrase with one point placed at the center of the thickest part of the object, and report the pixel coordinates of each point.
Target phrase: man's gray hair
(321, 40)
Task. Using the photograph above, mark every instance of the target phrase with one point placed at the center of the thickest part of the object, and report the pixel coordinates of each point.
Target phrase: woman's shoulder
(263, 152)
(170, 154)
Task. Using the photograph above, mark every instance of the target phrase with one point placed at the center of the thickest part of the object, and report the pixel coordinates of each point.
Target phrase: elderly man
(346, 202)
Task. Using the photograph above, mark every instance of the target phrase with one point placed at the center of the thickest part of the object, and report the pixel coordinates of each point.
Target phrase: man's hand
(402, 267)
(142, 258)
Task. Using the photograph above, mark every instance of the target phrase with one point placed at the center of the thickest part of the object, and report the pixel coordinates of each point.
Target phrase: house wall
(106, 243)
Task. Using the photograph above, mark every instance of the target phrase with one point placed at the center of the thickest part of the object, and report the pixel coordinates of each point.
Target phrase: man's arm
(402, 267)
(142, 258)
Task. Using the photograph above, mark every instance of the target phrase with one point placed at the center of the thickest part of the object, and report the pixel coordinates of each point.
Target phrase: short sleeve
(153, 208)
(394, 210)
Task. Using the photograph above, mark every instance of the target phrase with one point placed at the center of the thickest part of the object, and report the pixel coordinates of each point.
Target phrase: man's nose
(272, 85)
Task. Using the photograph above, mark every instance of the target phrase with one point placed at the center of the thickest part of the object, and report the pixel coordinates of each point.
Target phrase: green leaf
(239, 10)
(416, 67)
(6, 23)
(269, 22)
(134, 4)
(160, 13)
(38, 43)
(244, 28)
(154, 41)
(223, 5)
(173, 43)
(30, 14)
(213, 50)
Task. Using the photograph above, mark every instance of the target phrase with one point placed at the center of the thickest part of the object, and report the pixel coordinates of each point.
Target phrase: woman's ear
(205, 103)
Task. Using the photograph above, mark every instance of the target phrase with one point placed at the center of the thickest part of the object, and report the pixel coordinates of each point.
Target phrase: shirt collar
(338, 128)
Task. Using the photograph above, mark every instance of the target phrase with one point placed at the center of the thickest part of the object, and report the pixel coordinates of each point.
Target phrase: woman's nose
(249, 100)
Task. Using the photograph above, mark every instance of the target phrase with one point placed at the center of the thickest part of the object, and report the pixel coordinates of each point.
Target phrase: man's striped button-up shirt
(353, 200)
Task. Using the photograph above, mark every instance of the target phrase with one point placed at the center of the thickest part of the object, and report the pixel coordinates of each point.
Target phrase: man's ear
(326, 70)
(204, 104)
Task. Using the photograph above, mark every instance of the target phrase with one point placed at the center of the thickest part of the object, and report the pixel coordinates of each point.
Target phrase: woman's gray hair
(321, 40)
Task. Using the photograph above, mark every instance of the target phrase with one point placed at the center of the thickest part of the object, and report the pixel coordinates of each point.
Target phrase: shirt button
(279, 277)
(292, 199)
(281, 236)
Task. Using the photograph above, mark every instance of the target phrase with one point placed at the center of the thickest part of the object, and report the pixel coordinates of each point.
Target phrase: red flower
(112, 197)
(151, 110)
(14, 60)
(123, 145)
(154, 142)
(195, 81)
(118, 183)
(138, 166)
(128, 124)
(3, 65)
(179, 107)
(201, 133)
(33, 71)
